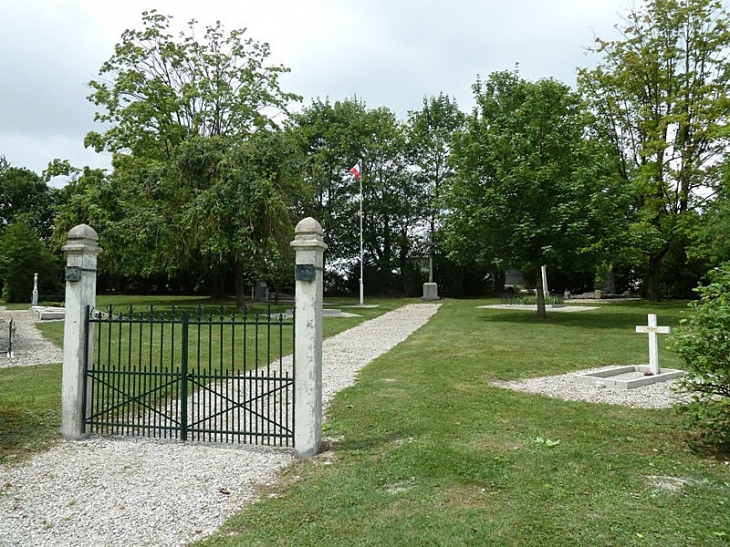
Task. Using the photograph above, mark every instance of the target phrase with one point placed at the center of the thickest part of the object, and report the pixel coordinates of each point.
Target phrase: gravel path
(109, 492)
(30, 347)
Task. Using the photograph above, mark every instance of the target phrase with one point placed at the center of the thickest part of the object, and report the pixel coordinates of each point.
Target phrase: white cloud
(388, 52)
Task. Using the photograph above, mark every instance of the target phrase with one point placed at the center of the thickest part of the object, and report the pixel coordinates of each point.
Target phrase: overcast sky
(387, 52)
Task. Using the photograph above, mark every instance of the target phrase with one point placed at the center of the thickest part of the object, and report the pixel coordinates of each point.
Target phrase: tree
(430, 133)
(93, 197)
(157, 91)
(331, 136)
(240, 218)
(22, 253)
(334, 137)
(530, 188)
(660, 96)
(191, 120)
(25, 197)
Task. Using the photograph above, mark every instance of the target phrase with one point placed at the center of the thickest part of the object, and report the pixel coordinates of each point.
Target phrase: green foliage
(157, 90)
(203, 178)
(660, 98)
(24, 197)
(703, 343)
(711, 240)
(430, 133)
(336, 136)
(530, 190)
(22, 254)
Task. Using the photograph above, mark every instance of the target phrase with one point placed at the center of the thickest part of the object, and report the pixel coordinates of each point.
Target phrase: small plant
(703, 343)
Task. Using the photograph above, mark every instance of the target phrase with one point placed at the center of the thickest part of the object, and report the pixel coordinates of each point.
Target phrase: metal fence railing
(7, 337)
(192, 375)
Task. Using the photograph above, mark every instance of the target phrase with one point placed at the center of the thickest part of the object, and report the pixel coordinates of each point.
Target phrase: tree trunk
(240, 294)
(217, 285)
(541, 313)
(655, 268)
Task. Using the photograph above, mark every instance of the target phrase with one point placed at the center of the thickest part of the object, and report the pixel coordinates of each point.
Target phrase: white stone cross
(652, 330)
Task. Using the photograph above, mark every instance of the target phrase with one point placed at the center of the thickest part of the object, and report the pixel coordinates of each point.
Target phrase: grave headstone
(262, 291)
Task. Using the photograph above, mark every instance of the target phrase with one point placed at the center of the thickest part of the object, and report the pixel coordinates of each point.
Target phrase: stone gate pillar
(81, 250)
(309, 248)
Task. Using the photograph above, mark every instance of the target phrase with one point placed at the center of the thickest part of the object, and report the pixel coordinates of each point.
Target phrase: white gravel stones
(29, 345)
(659, 395)
(149, 493)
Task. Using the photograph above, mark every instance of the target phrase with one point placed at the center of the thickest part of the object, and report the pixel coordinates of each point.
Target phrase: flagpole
(362, 286)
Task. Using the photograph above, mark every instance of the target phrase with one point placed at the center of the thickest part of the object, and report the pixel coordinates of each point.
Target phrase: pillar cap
(308, 235)
(82, 238)
(83, 231)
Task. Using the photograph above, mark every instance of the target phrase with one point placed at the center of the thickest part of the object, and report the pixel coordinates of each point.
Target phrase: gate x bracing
(191, 375)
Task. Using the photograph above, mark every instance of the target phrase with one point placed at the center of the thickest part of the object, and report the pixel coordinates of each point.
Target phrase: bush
(703, 343)
(22, 254)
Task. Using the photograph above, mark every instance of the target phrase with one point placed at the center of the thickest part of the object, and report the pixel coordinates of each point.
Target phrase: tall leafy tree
(157, 90)
(661, 95)
(190, 119)
(430, 133)
(530, 188)
(241, 218)
(335, 136)
(331, 136)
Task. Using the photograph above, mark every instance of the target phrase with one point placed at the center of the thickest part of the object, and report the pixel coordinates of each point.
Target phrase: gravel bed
(659, 395)
(560, 308)
(121, 492)
(29, 345)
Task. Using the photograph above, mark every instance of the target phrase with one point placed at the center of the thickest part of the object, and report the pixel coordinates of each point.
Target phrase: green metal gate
(191, 375)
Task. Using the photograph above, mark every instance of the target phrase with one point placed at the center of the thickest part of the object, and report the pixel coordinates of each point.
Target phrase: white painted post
(652, 330)
(309, 247)
(81, 251)
(545, 291)
(34, 299)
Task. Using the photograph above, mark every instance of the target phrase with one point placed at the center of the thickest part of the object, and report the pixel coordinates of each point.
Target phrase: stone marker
(430, 291)
(34, 297)
(652, 330)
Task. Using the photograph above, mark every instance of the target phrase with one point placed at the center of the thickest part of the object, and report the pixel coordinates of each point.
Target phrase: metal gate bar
(150, 375)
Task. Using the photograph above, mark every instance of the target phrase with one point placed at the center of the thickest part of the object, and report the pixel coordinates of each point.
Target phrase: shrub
(703, 343)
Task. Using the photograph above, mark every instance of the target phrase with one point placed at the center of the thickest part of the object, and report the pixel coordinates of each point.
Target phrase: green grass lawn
(423, 450)
(30, 410)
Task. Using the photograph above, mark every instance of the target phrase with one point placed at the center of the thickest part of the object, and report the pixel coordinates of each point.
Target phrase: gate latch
(306, 272)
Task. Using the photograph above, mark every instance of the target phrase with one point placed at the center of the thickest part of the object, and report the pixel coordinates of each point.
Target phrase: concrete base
(430, 291)
(627, 377)
(47, 313)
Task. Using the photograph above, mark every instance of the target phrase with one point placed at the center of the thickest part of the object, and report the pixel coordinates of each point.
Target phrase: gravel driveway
(109, 492)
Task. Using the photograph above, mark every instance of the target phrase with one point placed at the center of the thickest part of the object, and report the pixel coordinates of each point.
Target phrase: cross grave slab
(652, 330)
